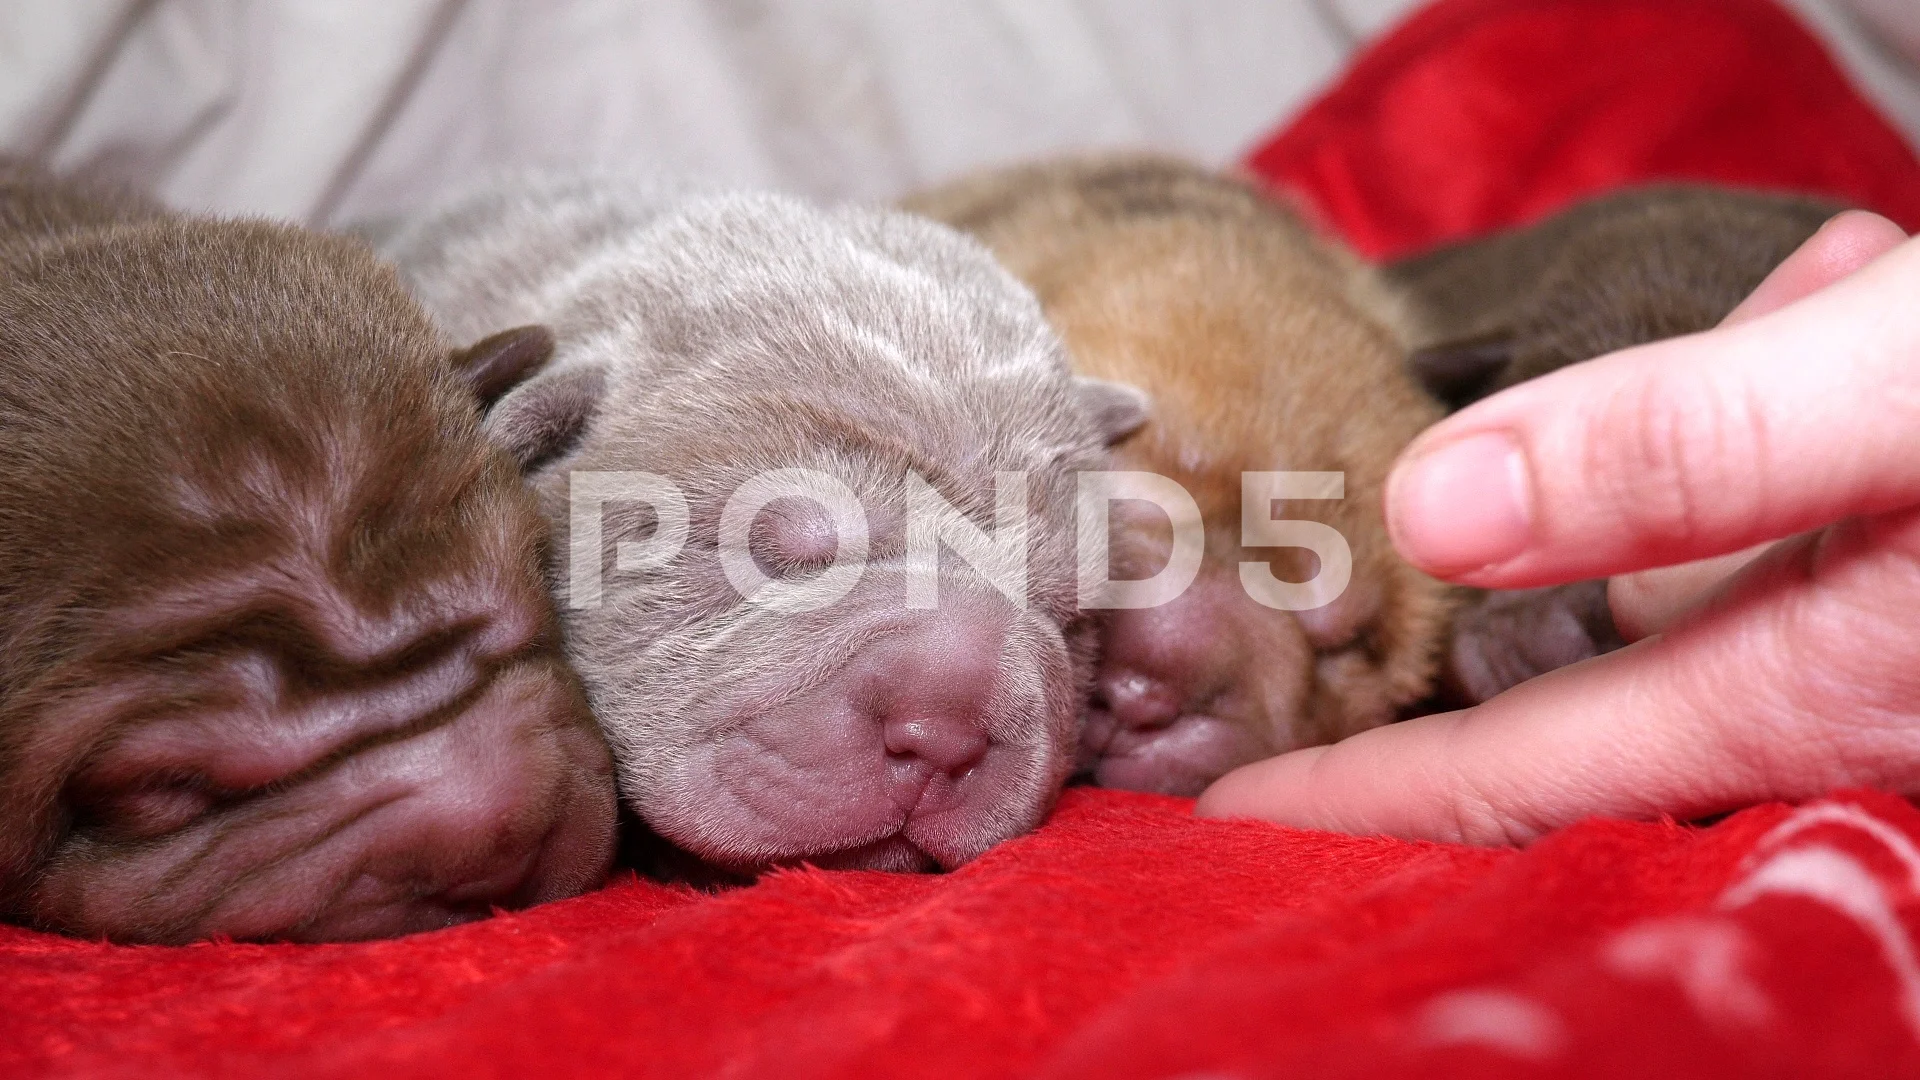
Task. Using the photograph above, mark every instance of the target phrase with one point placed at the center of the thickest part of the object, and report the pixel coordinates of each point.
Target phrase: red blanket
(1482, 113)
(1126, 938)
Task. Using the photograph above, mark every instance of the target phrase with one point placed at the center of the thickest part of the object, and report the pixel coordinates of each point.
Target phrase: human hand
(1776, 670)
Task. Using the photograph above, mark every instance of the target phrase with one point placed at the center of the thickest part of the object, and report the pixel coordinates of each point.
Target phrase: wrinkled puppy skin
(1607, 274)
(708, 338)
(1260, 347)
(277, 659)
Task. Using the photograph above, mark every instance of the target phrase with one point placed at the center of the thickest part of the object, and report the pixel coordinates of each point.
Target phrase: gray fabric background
(332, 110)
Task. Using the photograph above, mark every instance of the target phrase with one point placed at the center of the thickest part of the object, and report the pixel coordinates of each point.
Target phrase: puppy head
(279, 658)
(891, 383)
(1610, 273)
(1259, 357)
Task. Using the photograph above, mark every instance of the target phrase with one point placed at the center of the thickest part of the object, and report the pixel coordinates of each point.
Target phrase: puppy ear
(546, 417)
(494, 365)
(1462, 372)
(1117, 409)
(1503, 638)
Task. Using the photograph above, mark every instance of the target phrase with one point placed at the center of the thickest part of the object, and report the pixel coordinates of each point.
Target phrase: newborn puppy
(276, 656)
(1255, 341)
(712, 340)
(1608, 274)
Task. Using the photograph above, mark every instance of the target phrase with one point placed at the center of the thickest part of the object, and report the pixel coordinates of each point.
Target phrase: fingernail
(1463, 505)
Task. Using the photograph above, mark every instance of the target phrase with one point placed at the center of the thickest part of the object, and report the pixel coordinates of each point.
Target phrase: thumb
(1797, 678)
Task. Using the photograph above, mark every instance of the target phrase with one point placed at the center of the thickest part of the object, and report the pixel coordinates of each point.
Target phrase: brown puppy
(276, 656)
(1255, 343)
(1608, 274)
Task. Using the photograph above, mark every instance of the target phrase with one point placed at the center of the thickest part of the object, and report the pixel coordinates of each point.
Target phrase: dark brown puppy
(276, 656)
(1261, 350)
(1608, 274)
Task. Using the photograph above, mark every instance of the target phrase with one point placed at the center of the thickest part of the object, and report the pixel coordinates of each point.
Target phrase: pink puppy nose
(949, 744)
(932, 686)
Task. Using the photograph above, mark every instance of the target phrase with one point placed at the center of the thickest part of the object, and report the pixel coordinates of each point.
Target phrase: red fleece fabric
(1126, 938)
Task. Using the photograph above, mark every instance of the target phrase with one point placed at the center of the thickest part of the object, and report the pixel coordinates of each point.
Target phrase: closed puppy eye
(793, 537)
(156, 807)
(1364, 645)
(1351, 623)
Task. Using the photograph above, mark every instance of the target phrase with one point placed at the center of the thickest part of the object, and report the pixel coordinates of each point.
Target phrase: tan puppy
(1255, 341)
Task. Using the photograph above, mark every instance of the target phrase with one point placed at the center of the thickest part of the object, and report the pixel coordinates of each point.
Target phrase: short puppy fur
(276, 656)
(1260, 346)
(708, 338)
(1607, 274)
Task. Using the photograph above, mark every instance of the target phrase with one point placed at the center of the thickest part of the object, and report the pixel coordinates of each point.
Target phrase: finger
(1679, 450)
(1773, 690)
(1504, 772)
(1645, 603)
(1847, 242)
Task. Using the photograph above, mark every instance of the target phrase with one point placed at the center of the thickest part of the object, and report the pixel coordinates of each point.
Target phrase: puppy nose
(933, 686)
(1138, 702)
(950, 744)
